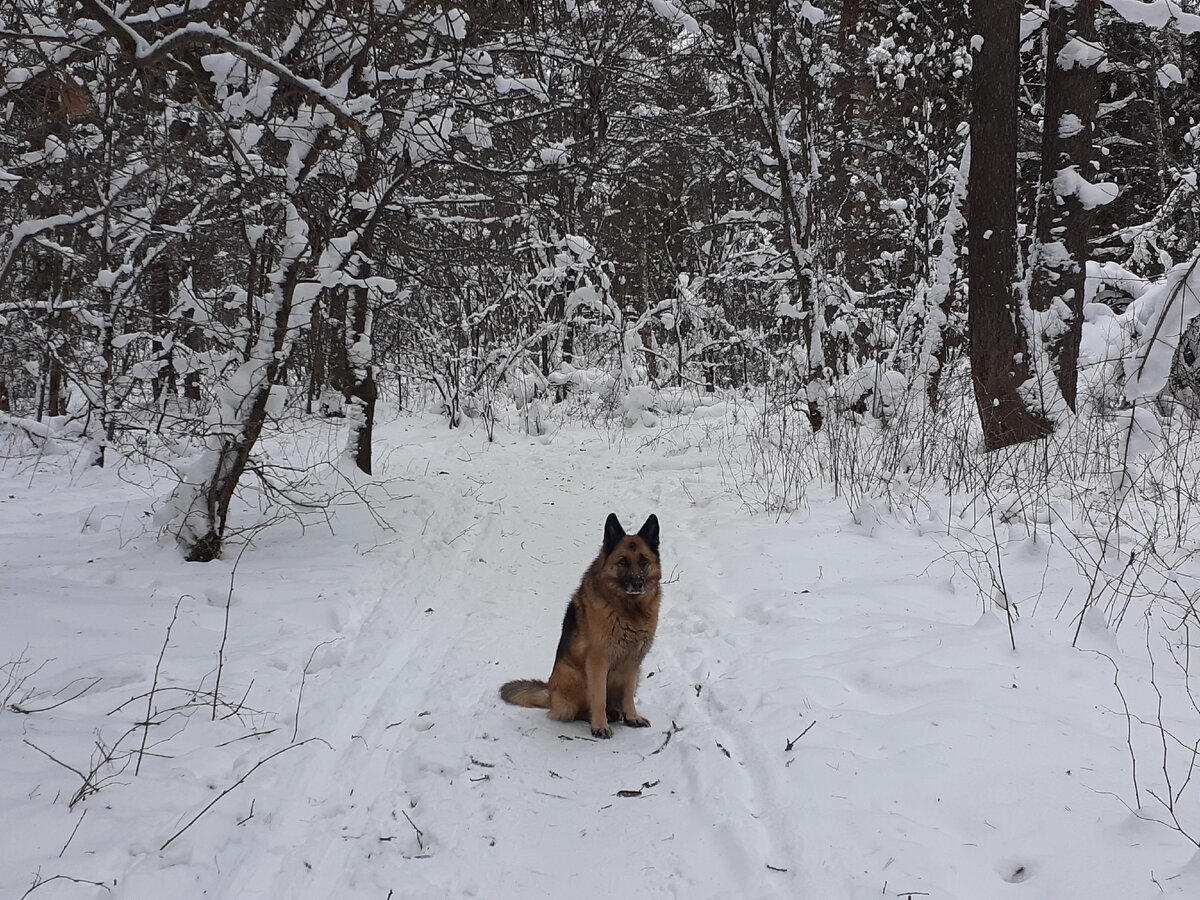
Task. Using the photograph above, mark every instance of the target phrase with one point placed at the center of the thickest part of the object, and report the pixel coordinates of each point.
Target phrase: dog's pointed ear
(613, 532)
(649, 532)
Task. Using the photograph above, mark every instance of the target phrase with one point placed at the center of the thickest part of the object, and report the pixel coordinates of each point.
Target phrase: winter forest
(330, 330)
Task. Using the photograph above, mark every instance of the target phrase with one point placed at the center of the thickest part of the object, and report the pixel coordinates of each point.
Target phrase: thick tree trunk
(1059, 258)
(229, 464)
(999, 343)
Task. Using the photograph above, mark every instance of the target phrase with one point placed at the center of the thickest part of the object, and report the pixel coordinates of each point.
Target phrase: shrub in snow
(332, 403)
(527, 391)
(593, 387)
(1183, 384)
(525, 387)
(637, 407)
(1107, 339)
(21, 437)
(533, 418)
(681, 401)
(1151, 349)
(1161, 316)
(1163, 352)
(873, 390)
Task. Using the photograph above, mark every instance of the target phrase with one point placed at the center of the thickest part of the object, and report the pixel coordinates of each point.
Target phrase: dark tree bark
(193, 339)
(338, 371)
(362, 392)
(1060, 253)
(158, 306)
(999, 344)
(846, 245)
(365, 393)
(316, 356)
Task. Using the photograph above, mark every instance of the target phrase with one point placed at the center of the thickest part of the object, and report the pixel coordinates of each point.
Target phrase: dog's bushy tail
(527, 692)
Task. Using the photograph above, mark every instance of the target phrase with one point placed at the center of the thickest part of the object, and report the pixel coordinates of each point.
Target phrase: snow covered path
(832, 715)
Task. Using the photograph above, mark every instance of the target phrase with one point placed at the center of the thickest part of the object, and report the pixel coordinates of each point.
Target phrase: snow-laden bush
(873, 390)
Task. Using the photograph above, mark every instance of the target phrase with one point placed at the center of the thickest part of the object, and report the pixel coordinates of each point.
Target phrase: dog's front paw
(604, 733)
(637, 721)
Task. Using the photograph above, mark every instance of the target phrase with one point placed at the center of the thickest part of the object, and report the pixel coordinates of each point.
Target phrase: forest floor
(836, 711)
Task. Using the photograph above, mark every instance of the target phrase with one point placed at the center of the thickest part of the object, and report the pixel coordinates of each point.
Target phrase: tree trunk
(644, 279)
(200, 507)
(845, 240)
(193, 339)
(316, 357)
(939, 297)
(999, 343)
(230, 463)
(795, 205)
(362, 392)
(1059, 257)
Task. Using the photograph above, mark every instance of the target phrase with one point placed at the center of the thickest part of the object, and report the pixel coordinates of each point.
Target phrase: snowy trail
(383, 697)
(831, 714)
(406, 699)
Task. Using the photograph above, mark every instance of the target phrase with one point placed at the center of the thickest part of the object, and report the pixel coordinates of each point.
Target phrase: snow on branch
(33, 227)
(1156, 14)
(1163, 314)
(38, 432)
(1069, 183)
(1081, 53)
(1161, 318)
(676, 16)
(145, 53)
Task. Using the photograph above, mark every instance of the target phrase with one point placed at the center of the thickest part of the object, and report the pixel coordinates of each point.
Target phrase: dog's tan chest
(631, 639)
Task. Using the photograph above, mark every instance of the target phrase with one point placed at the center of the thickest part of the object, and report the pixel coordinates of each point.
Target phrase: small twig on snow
(792, 743)
(420, 833)
(670, 733)
(72, 837)
(249, 815)
(303, 676)
(154, 687)
(28, 711)
(229, 789)
(1137, 797)
(225, 630)
(38, 881)
(59, 761)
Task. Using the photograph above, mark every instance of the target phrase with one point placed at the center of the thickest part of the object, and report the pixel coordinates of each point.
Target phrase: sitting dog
(608, 627)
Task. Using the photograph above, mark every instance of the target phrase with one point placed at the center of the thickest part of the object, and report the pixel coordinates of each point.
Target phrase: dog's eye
(622, 563)
(643, 562)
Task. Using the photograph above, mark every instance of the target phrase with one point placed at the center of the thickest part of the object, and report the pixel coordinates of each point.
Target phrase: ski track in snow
(830, 719)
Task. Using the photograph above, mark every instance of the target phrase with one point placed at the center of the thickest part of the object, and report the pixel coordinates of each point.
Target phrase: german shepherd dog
(608, 627)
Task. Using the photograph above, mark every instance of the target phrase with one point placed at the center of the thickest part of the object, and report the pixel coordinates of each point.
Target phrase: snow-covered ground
(836, 713)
